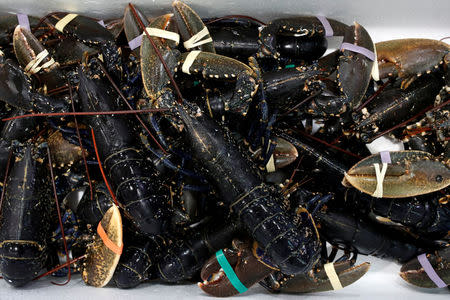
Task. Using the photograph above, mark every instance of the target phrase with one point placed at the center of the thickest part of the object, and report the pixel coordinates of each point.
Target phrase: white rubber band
(375, 70)
(334, 278)
(33, 66)
(48, 64)
(380, 178)
(190, 58)
(196, 39)
(36, 60)
(64, 21)
(270, 166)
(169, 35)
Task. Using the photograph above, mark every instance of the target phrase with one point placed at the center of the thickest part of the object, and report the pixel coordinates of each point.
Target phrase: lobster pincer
(303, 26)
(245, 265)
(403, 174)
(354, 72)
(218, 67)
(408, 59)
(428, 270)
(318, 279)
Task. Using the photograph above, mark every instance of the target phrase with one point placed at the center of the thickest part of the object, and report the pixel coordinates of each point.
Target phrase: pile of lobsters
(222, 150)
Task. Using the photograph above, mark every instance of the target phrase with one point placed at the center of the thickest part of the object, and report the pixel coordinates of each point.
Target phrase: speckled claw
(410, 173)
(27, 47)
(414, 273)
(154, 77)
(246, 266)
(190, 24)
(316, 280)
(132, 27)
(219, 67)
(409, 58)
(284, 154)
(84, 29)
(101, 260)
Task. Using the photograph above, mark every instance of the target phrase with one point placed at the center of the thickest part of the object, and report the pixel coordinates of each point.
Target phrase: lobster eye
(439, 178)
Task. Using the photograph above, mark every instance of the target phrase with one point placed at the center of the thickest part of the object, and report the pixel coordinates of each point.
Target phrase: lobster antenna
(60, 267)
(328, 144)
(380, 89)
(6, 178)
(101, 169)
(63, 235)
(83, 153)
(428, 109)
(293, 173)
(298, 105)
(235, 17)
(87, 113)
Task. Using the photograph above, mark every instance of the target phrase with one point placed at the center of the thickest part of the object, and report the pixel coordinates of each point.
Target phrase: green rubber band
(196, 83)
(223, 262)
(289, 66)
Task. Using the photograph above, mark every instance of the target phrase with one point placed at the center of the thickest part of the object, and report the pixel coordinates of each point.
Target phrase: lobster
(137, 185)
(26, 217)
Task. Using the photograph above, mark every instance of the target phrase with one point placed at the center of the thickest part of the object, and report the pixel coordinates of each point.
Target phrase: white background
(384, 19)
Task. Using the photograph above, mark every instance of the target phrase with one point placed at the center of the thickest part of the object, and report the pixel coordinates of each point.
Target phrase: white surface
(391, 18)
(381, 282)
(384, 19)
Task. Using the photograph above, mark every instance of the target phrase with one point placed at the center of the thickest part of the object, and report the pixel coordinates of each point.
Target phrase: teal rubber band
(223, 262)
(289, 66)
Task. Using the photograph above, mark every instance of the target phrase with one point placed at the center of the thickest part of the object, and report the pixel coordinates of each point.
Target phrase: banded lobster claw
(104, 254)
(316, 280)
(415, 273)
(246, 266)
(409, 173)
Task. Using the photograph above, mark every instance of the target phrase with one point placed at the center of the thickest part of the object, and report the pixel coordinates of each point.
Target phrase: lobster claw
(410, 173)
(104, 254)
(398, 58)
(131, 26)
(316, 280)
(414, 273)
(245, 265)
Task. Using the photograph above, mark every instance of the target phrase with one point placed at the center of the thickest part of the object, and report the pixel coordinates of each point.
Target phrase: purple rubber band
(326, 25)
(23, 21)
(428, 268)
(366, 52)
(136, 42)
(101, 22)
(385, 157)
